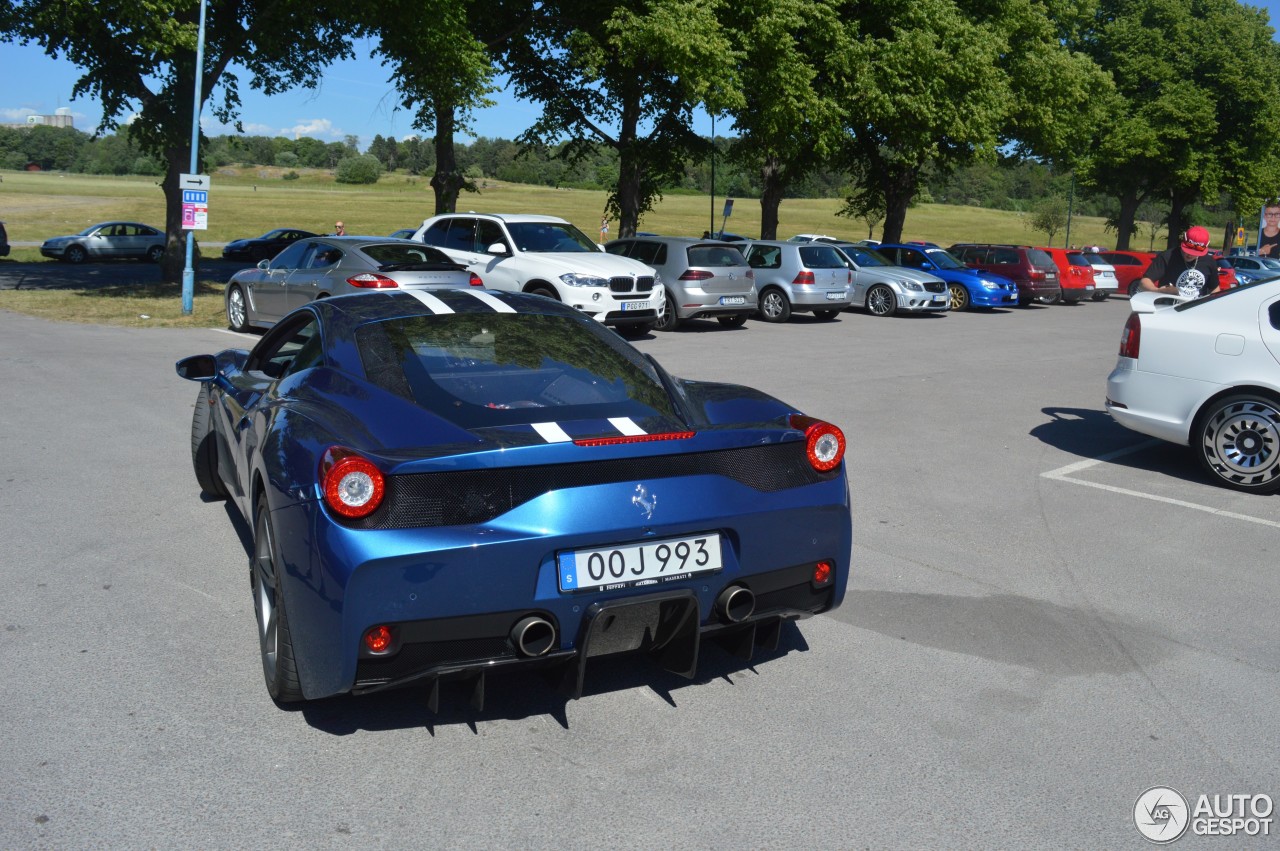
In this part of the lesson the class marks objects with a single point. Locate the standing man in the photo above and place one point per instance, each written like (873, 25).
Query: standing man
(1186, 270)
(1269, 244)
(339, 229)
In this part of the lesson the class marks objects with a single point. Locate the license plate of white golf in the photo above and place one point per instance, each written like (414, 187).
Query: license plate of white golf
(649, 563)
(835, 296)
(733, 299)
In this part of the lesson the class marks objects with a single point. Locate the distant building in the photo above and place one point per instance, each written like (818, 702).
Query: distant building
(60, 118)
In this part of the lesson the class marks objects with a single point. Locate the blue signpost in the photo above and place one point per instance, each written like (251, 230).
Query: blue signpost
(188, 271)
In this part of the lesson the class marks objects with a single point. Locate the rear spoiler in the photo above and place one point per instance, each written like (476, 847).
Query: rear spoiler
(1149, 302)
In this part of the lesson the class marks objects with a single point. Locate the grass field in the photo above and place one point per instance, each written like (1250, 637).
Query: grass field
(247, 202)
(250, 201)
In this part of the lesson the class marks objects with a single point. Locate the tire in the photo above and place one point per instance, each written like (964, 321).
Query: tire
(668, 320)
(204, 447)
(75, 254)
(733, 321)
(275, 642)
(826, 315)
(1100, 296)
(774, 306)
(237, 309)
(1237, 440)
(543, 290)
(155, 254)
(881, 301)
(959, 297)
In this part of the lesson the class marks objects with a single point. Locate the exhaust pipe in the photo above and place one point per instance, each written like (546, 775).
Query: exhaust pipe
(533, 636)
(735, 604)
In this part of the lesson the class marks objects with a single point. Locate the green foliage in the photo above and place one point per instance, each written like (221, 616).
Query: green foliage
(359, 169)
(289, 175)
(1048, 216)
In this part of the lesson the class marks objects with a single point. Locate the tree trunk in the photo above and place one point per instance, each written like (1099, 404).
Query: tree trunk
(1179, 200)
(447, 181)
(630, 175)
(175, 238)
(1125, 228)
(772, 187)
(899, 188)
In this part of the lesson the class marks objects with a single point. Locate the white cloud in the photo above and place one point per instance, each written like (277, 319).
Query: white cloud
(16, 116)
(316, 128)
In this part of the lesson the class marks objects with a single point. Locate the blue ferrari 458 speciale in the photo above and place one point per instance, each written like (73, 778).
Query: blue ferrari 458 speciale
(450, 483)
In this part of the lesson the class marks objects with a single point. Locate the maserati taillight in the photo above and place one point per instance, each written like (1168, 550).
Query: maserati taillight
(824, 443)
(353, 485)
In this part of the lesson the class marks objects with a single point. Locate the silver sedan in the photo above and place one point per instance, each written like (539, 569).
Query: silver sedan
(108, 240)
(325, 266)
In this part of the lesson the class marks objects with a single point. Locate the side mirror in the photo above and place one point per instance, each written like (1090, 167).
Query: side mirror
(197, 367)
(497, 249)
(264, 264)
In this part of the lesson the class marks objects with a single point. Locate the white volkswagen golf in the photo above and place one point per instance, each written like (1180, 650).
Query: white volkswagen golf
(1205, 373)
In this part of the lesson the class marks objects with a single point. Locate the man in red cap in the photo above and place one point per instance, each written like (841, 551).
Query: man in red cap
(1187, 270)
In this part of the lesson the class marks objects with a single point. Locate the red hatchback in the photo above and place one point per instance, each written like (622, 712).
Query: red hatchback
(1129, 266)
(1075, 274)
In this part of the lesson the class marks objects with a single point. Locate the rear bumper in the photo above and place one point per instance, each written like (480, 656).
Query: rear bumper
(667, 625)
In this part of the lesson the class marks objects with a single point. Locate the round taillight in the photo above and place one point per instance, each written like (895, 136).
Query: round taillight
(824, 443)
(378, 639)
(476, 281)
(352, 485)
(822, 573)
(372, 281)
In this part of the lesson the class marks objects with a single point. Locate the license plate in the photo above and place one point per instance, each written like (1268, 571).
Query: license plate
(938, 299)
(649, 563)
(634, 305)
(733, 299)
(834, 296)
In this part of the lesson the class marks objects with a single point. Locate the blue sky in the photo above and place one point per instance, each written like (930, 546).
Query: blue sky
(353, 98)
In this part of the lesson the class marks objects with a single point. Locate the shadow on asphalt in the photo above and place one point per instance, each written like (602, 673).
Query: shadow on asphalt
(52, 275)
(1091, 434)
(513, 696)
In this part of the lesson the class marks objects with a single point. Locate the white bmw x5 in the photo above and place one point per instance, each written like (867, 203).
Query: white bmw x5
(548, 256)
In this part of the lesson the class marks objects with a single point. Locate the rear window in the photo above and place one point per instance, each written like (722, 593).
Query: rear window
(1038, 258)
(395, 254)
(1077, 260)
(480, 370)
(715, 256)
(820, 257)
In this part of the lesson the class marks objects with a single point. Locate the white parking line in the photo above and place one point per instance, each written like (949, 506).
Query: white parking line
(235, 333)
(1063, 474)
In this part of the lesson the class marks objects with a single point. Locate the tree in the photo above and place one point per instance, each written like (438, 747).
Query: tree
(141, 56)
(940, 84)
(1199, 108)
(362, 169)
(625, 74)
(1049, 216)
(443, 72)
(793, 78)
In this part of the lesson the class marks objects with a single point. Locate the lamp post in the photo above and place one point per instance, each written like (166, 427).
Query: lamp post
(712, 229)
(188, 271)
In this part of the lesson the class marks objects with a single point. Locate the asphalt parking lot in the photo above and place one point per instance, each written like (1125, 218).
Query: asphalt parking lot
(1048, 615)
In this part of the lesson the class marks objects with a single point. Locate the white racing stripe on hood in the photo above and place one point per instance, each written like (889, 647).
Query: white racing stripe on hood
(551, 432)
(488, 298)
(433, 304)
(626, 426)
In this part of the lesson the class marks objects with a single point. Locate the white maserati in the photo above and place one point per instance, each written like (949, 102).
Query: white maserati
(1205, 373)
